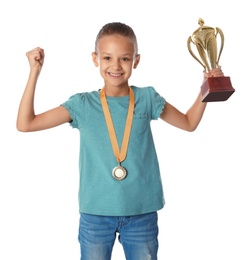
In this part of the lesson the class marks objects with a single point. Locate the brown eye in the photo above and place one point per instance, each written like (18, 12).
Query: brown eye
(106, 58)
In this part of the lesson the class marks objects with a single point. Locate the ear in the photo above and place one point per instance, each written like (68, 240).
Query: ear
(95, 59)
(137, 60)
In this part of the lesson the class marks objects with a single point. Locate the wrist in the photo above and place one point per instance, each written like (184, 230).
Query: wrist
(34, 71)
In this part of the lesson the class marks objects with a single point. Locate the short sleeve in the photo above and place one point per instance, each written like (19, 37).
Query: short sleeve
(75, 105)
(157, 103)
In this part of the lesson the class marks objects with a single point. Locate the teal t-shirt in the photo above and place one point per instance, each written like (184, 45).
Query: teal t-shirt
(99, 193)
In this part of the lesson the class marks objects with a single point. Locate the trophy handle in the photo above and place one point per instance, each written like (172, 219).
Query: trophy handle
(189, 40)
(219, 31)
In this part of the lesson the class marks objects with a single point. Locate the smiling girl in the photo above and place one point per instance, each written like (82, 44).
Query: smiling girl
(122, 191)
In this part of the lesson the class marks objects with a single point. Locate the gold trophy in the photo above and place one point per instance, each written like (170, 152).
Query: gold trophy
(205, 40)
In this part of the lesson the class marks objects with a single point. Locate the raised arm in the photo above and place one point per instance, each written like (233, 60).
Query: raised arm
(27, 121)
(191, 119)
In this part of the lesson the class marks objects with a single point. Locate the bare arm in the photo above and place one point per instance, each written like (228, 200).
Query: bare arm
(27, 121)
(191, 119)
(188, 121)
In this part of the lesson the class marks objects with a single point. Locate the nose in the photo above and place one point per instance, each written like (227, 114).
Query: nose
(116, 64)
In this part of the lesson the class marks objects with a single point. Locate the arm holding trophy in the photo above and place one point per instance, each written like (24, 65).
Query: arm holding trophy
(205, 40)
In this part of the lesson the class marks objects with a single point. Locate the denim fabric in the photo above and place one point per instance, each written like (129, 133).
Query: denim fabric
(137, 234)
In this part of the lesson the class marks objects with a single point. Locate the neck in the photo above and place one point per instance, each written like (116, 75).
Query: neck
(116, 91)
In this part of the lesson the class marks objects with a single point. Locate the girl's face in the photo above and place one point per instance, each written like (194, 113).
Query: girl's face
(116, 56)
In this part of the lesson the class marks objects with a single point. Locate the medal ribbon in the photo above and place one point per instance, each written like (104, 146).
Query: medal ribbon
(120, 154)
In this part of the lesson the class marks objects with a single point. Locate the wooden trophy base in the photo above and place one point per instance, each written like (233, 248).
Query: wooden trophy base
(216, 89)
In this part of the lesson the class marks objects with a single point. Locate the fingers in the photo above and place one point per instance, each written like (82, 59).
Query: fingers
(36, 58)
(40, 54)
(36, 54)
(217, 72)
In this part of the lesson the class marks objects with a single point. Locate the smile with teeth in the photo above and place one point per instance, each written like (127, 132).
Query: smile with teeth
(115, 74)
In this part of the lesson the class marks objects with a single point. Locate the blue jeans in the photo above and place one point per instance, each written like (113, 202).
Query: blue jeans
(137, 234)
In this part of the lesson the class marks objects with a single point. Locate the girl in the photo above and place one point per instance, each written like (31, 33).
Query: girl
(120, 185)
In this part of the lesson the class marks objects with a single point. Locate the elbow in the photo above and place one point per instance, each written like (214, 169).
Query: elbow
(21, 127)
(192, 128)
(192, 125)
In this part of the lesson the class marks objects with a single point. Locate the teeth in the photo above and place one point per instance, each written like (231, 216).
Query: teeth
(115, 75)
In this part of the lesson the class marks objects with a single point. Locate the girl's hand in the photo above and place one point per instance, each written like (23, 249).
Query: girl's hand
(36, 59)
(217, 72)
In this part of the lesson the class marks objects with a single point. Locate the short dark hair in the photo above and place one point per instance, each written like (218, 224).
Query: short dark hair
(117, 28)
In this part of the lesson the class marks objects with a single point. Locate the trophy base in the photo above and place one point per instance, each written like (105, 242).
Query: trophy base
(216, 89)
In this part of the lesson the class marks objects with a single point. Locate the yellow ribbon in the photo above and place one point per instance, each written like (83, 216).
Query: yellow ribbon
(120, 154)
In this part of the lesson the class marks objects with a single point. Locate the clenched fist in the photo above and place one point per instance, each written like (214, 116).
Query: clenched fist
(36, 59)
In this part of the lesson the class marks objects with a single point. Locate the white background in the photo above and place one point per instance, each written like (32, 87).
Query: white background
(201, 171)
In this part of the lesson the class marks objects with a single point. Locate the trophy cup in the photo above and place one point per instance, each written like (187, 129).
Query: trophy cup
(205, 40)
